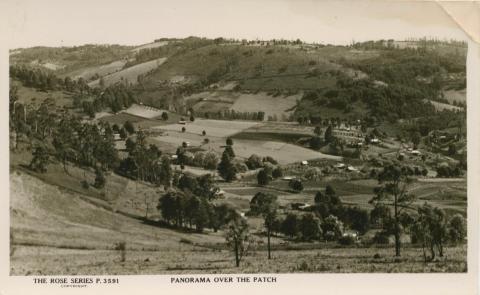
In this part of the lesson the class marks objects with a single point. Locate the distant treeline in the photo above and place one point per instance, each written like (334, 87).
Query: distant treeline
(91, 100)
(232, 115)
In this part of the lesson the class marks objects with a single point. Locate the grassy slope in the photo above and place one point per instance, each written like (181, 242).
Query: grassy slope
(55, 231)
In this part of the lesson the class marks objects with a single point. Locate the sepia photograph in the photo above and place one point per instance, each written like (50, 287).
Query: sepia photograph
(323, 137)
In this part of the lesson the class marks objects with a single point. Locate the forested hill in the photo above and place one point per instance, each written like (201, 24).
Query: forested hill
(379, 80)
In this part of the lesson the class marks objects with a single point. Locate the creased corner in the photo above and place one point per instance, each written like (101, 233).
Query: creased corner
(466, 14)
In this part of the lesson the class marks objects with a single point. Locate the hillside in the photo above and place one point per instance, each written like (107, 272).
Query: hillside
(387, 75)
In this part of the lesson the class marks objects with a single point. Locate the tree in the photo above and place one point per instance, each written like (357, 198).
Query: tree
(416, 137)
(309, 227)
(392, 191)
(164, 116)
(332, 228)
(192, 118)
(167, 204)
(129, 127)
(328, 134)
(263, 178)
(290, 225)
(316, 142)
(266, 205)
(452, 149)
(99, 178)
(63, 142)
(254, 162)
(238, 237)
(206, 187)
(201, 215)
(204, 133)
(184, 129)
(296, 185)
(457, 229)
(165, 172)
(229, 150)
(123, 133)
(277, 172)
(40, 159)
(226, 169)
(357, 219)
(318, 130)
(130, 146)
(430, 229)
(210, 161)
(229, 141)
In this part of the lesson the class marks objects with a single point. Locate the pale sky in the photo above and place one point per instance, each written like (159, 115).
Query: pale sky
(67, 23)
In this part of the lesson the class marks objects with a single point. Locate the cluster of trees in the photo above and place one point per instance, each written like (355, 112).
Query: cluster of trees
(190, 204)
(227, 168)
(233, 115)
(268, 173)
(46, 80)
(207, 160)
(116, 97)
(429, 226)
(449, 171)
(145, 162)
(67, 139)
(433, 230)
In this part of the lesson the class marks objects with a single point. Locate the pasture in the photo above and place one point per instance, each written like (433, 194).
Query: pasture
(279, 106)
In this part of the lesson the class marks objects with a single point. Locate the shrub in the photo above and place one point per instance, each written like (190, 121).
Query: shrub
(277, 172)
(381, 237)
(85, 184)
(122, 248)
(254, 162)
(296, 185)
(346, 240)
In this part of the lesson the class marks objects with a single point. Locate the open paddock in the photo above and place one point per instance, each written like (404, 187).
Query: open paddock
(284, 153)
(215, 128)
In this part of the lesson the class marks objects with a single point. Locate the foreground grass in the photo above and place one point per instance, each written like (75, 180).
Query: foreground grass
(201, 260)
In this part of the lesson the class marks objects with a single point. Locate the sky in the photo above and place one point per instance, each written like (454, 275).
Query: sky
(67, 23)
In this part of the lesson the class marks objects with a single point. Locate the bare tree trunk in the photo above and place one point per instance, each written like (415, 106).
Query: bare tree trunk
(268, 242)
(237, 258)
(397, 230)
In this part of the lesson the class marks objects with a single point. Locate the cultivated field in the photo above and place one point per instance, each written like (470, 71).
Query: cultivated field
(102, 70)
(284, 153)
(217, 131)
(215, 128)
(143, 111)
(129, 75)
